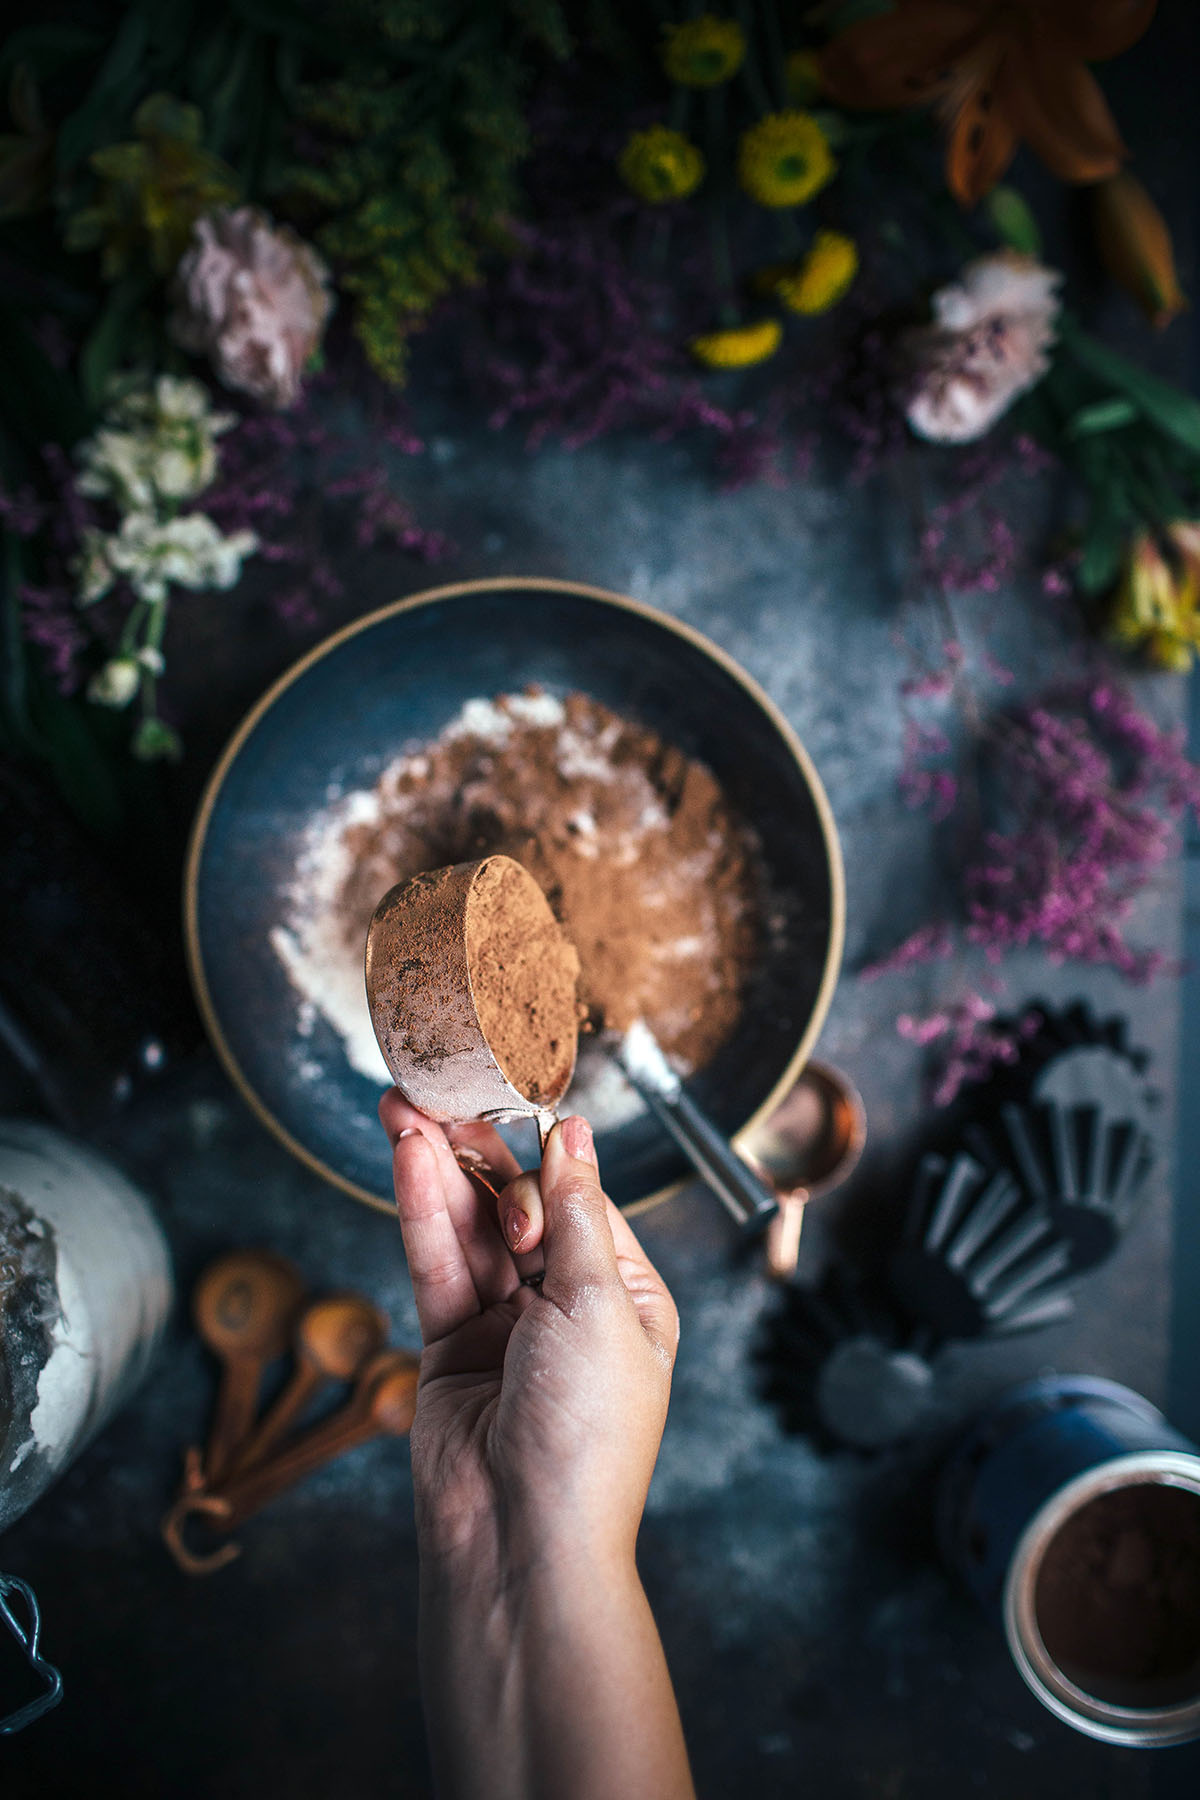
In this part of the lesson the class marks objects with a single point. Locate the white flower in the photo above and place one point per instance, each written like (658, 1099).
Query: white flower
(117, 467)
(152, 659)
(254, 298)
(92, 569)
(990, 341)
(179, 473)
(179, 398)
(116, 683)
(189, 552)
(158, 444)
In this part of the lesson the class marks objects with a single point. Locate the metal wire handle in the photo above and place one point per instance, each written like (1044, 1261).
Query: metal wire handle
(27, 1635)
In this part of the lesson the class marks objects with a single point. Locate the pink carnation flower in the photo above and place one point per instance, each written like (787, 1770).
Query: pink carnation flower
(254, 298)
(989, 341)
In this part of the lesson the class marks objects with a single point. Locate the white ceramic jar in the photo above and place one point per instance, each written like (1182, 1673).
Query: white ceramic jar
(85, 1288)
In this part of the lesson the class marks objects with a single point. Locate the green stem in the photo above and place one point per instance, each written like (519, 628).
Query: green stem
(132, 627)
(156, 625)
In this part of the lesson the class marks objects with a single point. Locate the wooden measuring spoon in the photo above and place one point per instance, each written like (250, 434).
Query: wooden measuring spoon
(383, 1404)
(471, 988)
(244, 1305)
(335, 1337)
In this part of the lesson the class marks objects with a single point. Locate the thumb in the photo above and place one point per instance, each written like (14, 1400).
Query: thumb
(577, 1238)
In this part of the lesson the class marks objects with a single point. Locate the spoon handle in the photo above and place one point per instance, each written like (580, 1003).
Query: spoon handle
(276, 1423)
(354, 1424)
(259, 1485)
(783, 1235)
(743, 1193)
(234, 1416)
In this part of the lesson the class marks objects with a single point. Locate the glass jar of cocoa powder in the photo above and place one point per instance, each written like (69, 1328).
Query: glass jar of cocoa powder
(1072, 1510)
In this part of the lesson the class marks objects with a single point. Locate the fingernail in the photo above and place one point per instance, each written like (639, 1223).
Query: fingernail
(409, 1131)
(577, 1139)
(516, 1224)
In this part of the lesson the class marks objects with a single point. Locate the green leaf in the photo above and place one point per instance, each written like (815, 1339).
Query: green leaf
(1102, 415)
(101, 354)
(1101, 562)
(162, 115)
(1173, 412)
(80, 760)
(1013, 220)
(117, 82)
(121, 162)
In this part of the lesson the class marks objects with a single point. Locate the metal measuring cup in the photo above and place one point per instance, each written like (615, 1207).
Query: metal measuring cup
(806, 1148)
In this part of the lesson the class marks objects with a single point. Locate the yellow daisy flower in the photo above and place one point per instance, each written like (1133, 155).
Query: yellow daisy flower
(703, 52)
(823, 277)
(660, 164)
(785, 159)
(740, 347)
(802, 74)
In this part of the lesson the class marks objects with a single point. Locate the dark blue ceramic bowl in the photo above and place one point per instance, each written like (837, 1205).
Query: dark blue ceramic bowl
(399, 675)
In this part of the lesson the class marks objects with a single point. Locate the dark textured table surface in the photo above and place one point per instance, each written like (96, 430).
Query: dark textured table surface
(816, 1645)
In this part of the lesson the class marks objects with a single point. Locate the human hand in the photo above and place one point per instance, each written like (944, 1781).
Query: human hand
(539, 1412)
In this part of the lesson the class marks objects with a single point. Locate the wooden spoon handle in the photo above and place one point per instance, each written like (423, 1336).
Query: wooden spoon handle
(233, 1420)
(276, 1423)
(259, 1485)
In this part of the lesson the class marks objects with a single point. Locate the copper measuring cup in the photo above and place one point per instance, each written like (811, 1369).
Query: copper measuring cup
(423, 1004)
(807, 1147)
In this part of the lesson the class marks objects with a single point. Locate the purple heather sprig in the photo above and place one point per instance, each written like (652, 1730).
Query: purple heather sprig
(1087, 798)
(974, 1040)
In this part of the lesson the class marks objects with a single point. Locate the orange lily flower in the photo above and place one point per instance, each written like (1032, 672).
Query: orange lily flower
(999, 73)
(1135, 245)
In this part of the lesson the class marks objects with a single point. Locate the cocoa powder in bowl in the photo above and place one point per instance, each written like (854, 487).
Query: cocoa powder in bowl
(1117, 1601)
(522, 972)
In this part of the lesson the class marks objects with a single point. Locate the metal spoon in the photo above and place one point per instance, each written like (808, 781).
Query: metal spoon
(423, 1001)
(335, 1338)
(244, 1305)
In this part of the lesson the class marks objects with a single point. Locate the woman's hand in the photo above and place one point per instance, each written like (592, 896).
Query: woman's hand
(539, 1413)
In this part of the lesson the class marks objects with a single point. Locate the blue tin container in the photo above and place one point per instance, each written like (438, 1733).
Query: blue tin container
(1028, 1465)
